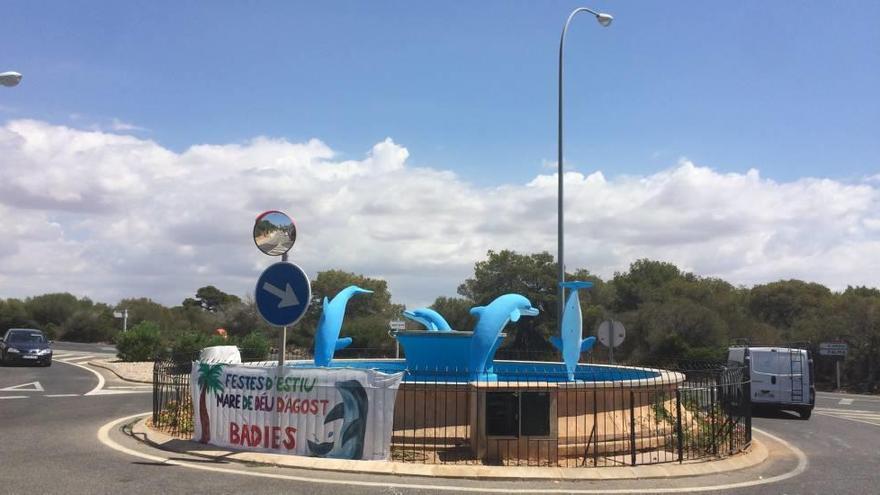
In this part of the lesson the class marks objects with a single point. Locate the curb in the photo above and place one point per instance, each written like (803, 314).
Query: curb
(757, 454)
(103, 365)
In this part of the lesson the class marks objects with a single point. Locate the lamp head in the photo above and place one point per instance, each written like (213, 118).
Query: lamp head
(10, 79)
(604, 19)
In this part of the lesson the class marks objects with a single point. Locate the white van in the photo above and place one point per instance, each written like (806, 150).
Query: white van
(782, 377)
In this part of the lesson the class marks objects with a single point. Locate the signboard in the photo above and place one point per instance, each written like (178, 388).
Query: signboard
(833, 349)
(611, 333)
(334, 413)
(283, 294)
(397, 324)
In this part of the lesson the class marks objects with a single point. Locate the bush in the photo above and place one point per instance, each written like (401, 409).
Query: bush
(254, 347)
(142, 343)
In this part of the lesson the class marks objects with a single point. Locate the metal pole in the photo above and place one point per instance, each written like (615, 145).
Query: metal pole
(283, 346)
(837, 372)
(125, 322)
(560, 256)
(611, 341)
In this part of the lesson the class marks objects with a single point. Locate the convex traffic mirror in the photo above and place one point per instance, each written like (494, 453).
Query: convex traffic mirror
(274, 233)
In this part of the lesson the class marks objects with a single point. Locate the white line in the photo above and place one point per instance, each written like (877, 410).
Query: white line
(846, 402)
(84, 357)
(61, 395)
(849, 419)
(104, 437)
(15, 397)
(100, 377)
(833, 395)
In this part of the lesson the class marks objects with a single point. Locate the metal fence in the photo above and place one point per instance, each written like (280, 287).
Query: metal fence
(673, 413)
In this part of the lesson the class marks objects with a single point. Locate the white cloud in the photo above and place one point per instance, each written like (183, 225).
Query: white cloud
(111, 216)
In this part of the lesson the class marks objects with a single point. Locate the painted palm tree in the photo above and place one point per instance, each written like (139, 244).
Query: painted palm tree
(209, 381)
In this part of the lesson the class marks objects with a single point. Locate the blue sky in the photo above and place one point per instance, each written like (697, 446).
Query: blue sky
(136, 121)
(790, 89)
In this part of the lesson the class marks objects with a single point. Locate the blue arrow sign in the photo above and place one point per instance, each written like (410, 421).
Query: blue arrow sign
(283, 294)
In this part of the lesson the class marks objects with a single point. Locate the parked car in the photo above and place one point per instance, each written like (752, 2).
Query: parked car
(25, 345)
(782, 377)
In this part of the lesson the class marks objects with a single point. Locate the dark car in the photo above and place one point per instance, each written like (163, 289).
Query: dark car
(25, 345)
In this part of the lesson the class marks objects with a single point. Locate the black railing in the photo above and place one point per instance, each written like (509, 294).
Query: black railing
(536, 417)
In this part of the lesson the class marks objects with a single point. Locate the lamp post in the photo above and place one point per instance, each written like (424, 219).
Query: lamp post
(604, 20)
(10, 79)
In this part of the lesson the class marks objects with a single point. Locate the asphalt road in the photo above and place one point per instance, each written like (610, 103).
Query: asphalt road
(49, 444)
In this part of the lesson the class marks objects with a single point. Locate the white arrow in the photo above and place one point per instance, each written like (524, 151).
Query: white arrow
(287, 296)
(25, 387)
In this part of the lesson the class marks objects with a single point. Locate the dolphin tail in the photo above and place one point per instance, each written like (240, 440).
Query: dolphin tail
(575, 284)
(556, 341)
(587, 344)
(319, 449)
(343, 343)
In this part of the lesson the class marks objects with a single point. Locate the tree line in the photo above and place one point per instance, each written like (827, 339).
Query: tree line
(669, 315)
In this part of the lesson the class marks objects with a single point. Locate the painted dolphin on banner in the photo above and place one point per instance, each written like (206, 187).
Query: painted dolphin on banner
(570, 343)
(327, 340)
(430, 319)
(492, 320)
(348, 442)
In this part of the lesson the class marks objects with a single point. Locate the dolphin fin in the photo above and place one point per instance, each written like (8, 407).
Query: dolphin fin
(477, 310)
(514, 315)
(336, 413)
(556, 341)
(343, 343)
(587, 344)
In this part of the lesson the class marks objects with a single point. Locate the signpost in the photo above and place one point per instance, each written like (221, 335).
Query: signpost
(283, 291)
(611, 334)
(397, 325)
(124, 315)
(837, 350)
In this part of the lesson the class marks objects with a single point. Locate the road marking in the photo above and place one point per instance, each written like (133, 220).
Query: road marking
(79, 357)
(15, 397)
(845, 402)
(34, 387)
(858, 397)
(100, 385)
(104, 437)
(61, 395)
(859, 416)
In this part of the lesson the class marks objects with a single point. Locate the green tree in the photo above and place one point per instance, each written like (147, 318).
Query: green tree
(456, 312)
(211, 299)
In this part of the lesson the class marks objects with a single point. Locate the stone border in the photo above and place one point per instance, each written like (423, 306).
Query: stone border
(109, 366)
(757, 454)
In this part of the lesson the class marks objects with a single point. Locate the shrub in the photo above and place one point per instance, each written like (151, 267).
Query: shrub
(142, 343)
(254, 347)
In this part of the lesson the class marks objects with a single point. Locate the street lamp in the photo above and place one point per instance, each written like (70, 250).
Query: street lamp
(10, 79)
(604, 20)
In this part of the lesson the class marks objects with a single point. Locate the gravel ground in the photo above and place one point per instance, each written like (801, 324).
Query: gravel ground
(134, 372)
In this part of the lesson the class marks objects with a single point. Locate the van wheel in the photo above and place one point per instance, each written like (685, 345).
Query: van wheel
(805, 412)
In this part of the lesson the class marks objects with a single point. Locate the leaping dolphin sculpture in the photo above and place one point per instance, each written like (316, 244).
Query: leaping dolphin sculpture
(432, 320)
(492, 320)
(570, 343)
(348, 442)
(327, 340)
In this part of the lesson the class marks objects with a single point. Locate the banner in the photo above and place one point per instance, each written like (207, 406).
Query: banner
(338, 413)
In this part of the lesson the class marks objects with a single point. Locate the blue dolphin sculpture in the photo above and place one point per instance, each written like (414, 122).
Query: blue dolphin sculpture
(492, 320)
(431, 319)
(327, 340)
(570, 343)
(348, 442)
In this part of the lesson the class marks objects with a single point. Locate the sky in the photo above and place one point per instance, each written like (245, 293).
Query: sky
(408, 138)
